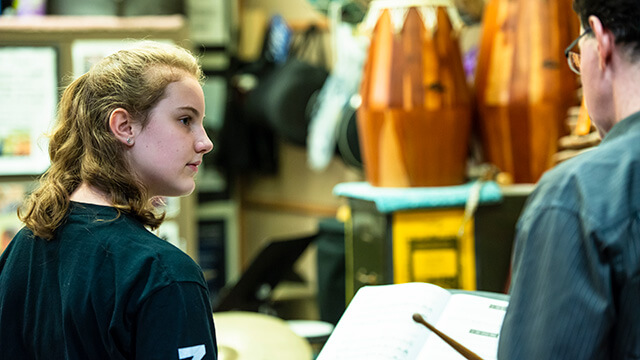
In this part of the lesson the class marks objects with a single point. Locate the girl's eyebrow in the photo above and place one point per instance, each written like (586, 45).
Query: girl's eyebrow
(190, 108)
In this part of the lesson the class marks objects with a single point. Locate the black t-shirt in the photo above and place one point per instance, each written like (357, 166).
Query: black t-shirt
(103, 288)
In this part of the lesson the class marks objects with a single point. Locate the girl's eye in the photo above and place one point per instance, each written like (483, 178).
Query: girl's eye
(185, 120)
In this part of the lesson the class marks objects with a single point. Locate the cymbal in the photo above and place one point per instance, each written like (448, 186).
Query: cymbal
(252, 336)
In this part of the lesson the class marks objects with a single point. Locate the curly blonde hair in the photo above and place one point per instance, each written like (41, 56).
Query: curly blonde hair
(82, 147)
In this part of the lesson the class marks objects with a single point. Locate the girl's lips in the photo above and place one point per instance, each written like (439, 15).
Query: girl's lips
(194, 165)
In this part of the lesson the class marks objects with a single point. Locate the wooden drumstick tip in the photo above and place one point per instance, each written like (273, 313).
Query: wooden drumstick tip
(418, 318)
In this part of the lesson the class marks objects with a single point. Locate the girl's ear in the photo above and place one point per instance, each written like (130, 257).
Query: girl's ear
(121, 125)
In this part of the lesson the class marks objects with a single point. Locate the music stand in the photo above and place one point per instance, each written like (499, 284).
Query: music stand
(273, 264)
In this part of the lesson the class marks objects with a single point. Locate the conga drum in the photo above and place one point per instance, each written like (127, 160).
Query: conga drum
(583, 125)
(523, 84)
(415, 117)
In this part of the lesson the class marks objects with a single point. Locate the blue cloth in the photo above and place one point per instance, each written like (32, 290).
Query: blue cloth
(393, 199)
(575, 290)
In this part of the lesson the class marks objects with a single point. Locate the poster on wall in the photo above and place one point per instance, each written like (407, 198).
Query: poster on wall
(11, 197)
(28, 98)
(209, 22)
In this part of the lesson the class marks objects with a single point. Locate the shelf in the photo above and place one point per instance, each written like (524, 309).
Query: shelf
(82, 24)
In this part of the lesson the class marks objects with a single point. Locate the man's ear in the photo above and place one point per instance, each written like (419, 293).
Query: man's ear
(605, 40)
(121, 125)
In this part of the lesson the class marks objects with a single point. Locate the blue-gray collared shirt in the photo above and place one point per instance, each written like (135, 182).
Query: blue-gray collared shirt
(575, 290)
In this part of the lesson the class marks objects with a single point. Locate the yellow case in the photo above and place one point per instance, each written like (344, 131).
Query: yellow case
(426, 248)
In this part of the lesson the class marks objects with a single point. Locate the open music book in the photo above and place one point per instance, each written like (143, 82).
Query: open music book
(378, 324)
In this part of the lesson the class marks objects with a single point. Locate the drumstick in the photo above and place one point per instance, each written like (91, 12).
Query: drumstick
(468, 354)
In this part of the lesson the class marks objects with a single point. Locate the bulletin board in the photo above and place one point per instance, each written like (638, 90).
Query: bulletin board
(28, 97)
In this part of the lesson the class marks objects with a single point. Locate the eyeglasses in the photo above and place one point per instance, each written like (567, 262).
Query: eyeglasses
(573, 58)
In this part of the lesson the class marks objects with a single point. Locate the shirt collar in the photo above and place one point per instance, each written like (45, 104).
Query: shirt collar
(628, 124)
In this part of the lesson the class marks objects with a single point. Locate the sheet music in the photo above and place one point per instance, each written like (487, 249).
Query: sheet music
(474, 322)
(378, 323)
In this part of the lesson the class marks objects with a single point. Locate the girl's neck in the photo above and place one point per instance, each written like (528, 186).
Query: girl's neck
(89, 195)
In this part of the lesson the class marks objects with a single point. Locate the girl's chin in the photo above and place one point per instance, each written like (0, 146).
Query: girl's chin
(178, 192)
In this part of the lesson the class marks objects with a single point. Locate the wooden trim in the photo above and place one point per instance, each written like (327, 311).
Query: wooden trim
(289, 207)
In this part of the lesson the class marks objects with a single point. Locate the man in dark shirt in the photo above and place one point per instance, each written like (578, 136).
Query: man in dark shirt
(575, 291)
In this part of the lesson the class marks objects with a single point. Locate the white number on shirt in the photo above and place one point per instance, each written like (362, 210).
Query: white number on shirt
(193, 352)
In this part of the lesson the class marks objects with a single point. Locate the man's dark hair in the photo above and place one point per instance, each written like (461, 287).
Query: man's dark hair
(621, 17)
